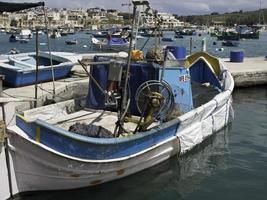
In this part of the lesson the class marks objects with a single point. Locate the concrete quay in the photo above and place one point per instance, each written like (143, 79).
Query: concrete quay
(251, 72)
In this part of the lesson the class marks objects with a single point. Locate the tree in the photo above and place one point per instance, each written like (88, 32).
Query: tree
(14, 23)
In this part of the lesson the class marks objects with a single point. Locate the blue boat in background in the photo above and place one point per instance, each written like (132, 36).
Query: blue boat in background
(12, 38)
(19, 70)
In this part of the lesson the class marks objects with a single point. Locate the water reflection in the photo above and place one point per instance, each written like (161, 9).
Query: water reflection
(173, 179)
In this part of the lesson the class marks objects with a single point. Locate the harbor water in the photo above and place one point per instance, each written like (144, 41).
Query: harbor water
(229, 165)
(251, 48)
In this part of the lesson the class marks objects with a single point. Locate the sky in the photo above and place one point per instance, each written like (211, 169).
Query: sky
(180, 7)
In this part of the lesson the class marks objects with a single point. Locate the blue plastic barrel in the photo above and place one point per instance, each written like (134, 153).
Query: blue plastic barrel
(237, 56)
(179, 52)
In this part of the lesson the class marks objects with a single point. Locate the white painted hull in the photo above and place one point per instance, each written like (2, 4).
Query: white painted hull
(40, 168)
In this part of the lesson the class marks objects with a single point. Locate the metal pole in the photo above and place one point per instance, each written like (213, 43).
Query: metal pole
(49, 49)
(190, 45)
(37, 66)
(7, 153)
(204, 44)
(124, 94)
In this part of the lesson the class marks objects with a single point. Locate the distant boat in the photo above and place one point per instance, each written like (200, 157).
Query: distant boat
(26, 34)
(12, 38)
(100, 34)
(64, 33)
(39, 32)
(71, 31)
(19, 69)
(230, 43)
(246, 32)
(179, 36)
(71, 42)
(55, 34)
(186, 32)
(167, 39)
(2, 32)
(23, 41)
(229, 35)
(113, 44)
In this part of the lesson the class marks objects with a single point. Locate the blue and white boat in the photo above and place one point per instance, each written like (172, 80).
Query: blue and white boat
(19, 69)
(73, 144)
(111, 44)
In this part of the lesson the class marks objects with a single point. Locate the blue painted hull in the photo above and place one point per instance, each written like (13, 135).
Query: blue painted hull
(21, 78)
(95, 148)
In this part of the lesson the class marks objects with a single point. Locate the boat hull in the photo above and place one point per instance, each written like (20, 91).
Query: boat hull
(111, 47)
(59, 172)
(15, 78)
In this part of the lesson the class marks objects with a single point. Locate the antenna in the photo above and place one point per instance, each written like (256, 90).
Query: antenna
(261, 15)
(127, 4)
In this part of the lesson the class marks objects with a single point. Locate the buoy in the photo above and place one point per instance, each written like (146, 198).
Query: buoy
(219, 49)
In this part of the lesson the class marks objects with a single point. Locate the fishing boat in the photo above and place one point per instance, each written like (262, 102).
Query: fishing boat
(228, 35)
(19, 69)
(167, 39)
(55, 34)
(136, 115)
(26, 34)
(71, 42)
(230, 43)
(186, 32)
(246, 32)
(12, 38)
(72, 144)
(111, 44)
(179, 36)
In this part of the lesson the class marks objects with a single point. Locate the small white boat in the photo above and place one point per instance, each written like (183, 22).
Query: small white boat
(55, 34)
(26, 34)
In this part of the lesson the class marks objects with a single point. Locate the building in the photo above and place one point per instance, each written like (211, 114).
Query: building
(167, 21)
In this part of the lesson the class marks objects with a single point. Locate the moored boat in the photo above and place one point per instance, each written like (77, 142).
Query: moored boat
(111, 44)
(12, 38)
(167, 39)
(25, 34)
(71, 42)
(49, 152)
(19, 69)
(230, 43)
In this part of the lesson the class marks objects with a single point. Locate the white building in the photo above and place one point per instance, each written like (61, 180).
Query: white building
(168, 21)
